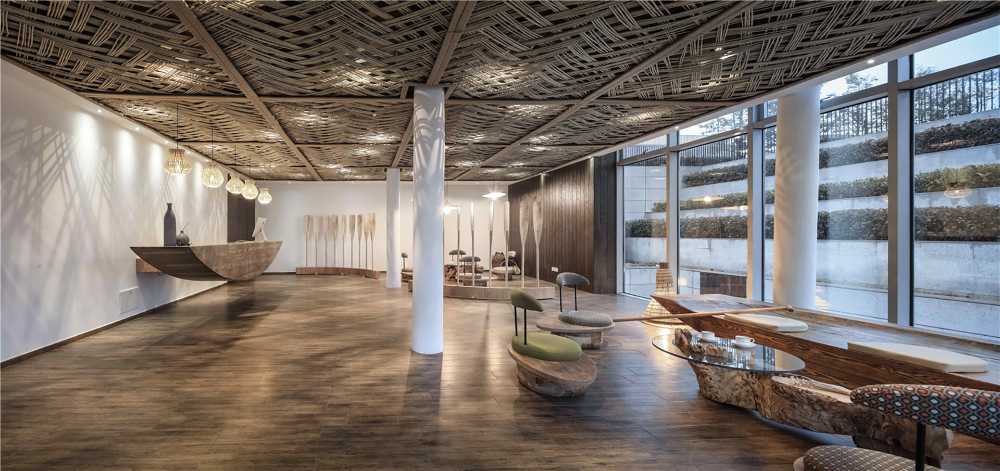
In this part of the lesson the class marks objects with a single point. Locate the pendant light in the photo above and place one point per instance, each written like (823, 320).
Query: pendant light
(212, 176)
(176, 163)
(264, 197)
(234, 185)
(250, 190)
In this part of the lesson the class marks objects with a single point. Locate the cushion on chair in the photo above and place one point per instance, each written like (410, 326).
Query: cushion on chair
(568, 278)
(586, 318)
(547, 347)
(845, 458)
(934, 358)
(970, 411)
(775, 323)
(524, 300)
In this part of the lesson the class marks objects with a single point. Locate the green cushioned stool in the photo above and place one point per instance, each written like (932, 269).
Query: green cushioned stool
(547, 347)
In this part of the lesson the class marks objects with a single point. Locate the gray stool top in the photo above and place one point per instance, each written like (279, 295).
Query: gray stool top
(586, 318)
(568, 278)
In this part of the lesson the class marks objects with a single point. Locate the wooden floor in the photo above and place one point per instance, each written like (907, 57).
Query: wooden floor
(315, 373)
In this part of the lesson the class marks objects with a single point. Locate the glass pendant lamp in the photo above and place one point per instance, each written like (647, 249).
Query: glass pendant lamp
(235, 185)
(264, 197)
(212, 176)
(176, 163)
(250, 190)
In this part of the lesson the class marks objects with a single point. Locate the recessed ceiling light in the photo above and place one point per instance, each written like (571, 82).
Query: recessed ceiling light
(718, 49)
(871, 61)
(100, 110)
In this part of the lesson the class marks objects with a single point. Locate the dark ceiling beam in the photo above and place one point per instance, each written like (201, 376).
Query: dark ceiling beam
(348, 100)
(459, 18)
(672, 48)
(197, 29)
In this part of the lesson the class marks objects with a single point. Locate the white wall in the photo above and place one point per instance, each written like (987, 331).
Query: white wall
(294, 200)
(78, 188)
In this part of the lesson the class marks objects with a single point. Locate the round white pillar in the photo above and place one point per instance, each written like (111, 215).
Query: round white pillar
(796, 193)
(428, 227)
(393, 267)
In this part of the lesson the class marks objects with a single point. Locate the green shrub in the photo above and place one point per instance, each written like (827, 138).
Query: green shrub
(874, 186)
(645, 228)
(659, 207)
(731, 199)
(970, 176)
(975, 224)
(950, 136)
(978, 132)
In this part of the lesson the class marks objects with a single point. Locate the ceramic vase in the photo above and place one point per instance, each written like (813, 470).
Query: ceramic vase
(169, 227)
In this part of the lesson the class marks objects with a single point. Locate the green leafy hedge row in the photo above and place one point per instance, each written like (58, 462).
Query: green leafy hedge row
(951, 136)
(646, 228)
(969, 176)
(976, 223)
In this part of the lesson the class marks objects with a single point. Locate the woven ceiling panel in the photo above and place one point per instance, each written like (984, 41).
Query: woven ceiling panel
(329, 48)
(110, 46)
(358, 173)
(341, 123)
(275, 173)
(528, 50)
(563, 49)
(373, 155)
(492, 124)
(606, 123)
(501, 173)
(230, 121)
(249, 155)
(777, 43)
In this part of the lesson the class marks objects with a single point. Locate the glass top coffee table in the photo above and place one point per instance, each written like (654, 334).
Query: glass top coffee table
(722, 353)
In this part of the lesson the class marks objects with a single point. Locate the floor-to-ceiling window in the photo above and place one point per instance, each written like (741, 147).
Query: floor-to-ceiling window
(644, 208)
(956, 191)
(712, 204)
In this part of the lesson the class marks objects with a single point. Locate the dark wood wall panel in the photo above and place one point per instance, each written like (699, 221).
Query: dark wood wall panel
(571, 220)
(240, 217)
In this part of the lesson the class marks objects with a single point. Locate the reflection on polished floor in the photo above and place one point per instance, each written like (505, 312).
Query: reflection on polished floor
(316, 373)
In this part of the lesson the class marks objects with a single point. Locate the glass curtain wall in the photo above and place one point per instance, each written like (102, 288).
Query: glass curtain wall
(956, 204)
(712, 206)
(852, 233)
(645, 219)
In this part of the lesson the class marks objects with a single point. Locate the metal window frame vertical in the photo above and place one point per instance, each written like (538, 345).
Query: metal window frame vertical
(755, 206)
(620, 223)
(673, 215)
(900, 212)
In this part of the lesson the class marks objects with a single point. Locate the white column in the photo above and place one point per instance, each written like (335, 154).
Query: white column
(796, 198)
(428, 227)
(393, 278)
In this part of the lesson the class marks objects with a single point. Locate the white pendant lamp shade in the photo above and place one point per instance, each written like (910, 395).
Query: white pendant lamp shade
(212, 176)
(176, 163)
(235, 185)
(250, 190)
(265, 196)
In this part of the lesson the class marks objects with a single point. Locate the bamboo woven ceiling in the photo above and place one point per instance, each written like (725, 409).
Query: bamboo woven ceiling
(321, 90)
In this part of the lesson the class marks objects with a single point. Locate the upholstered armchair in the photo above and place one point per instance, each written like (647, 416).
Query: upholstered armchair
(972, 412)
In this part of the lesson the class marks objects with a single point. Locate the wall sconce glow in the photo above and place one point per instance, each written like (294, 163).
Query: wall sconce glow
(212, 176)
(176, 163)
(264, 197)
(235, 185)
(448, 209)
(250, 190)
(494, 195)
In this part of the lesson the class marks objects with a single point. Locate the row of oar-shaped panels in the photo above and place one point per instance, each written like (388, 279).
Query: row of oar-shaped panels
(321, 230)
(340, 226)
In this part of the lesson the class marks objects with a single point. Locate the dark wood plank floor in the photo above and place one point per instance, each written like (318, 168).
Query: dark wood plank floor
(315, 373)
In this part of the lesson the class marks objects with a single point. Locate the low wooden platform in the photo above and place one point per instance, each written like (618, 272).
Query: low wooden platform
(338, 271)
(824, 346)
(588, 337)
(554, 378)
(237, 261)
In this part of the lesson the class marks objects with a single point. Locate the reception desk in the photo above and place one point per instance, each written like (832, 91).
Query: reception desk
(235, 261)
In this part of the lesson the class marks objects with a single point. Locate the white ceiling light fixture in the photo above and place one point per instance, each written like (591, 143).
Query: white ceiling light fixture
(250, 190)
(234, 185)
(212, 176)
(265, 196)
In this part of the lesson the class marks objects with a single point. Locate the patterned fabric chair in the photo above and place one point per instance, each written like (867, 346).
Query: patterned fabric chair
(970, 411)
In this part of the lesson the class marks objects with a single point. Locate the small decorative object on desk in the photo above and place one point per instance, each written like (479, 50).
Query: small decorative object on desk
(169, 227)
(182, 239)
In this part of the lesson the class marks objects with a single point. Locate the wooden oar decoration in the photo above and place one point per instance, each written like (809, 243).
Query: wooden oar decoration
(308, 232)
(692, 315)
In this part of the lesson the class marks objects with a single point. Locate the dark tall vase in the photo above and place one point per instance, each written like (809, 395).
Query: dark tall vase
(169, 227)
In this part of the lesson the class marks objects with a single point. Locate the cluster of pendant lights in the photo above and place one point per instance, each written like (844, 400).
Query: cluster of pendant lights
(212, 176)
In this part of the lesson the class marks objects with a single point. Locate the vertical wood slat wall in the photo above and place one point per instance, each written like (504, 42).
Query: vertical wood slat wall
(579, 222)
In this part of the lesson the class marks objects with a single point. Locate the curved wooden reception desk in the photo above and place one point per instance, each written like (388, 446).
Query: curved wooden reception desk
(236, 261)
